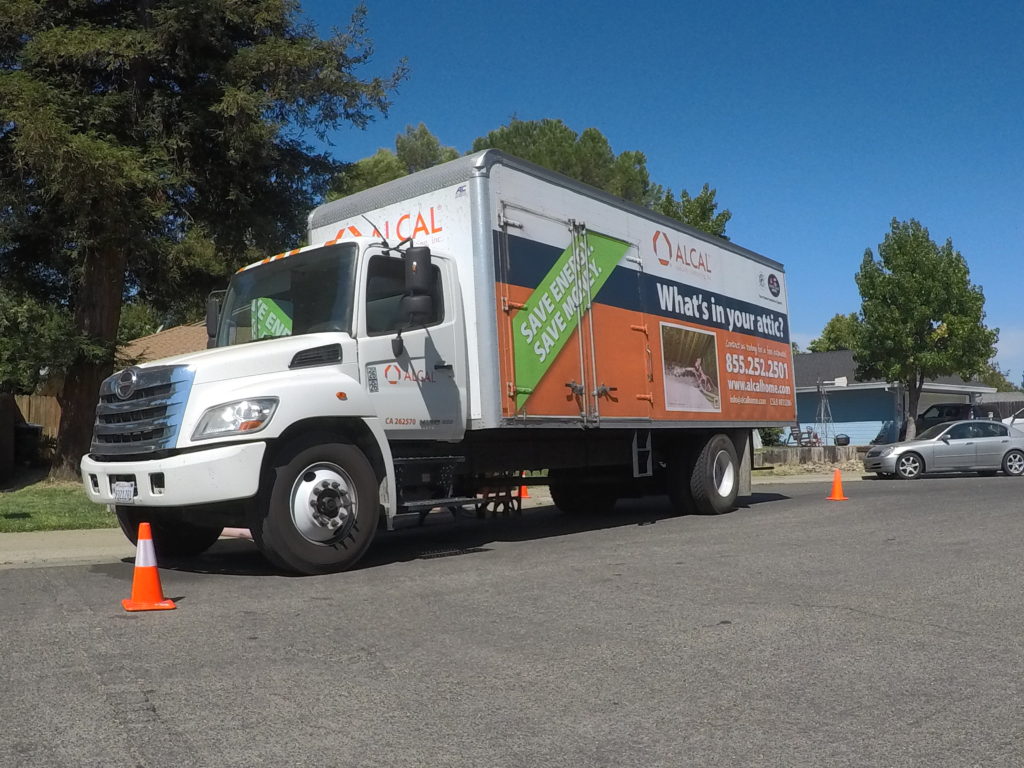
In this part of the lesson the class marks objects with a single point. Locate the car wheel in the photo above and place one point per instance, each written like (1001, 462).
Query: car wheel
(909, 466)
(1013, 463)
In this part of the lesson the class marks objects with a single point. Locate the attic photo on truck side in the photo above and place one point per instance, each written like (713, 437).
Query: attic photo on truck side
(445, 332)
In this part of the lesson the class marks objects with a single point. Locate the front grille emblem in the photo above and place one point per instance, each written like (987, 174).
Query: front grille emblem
(125, 386)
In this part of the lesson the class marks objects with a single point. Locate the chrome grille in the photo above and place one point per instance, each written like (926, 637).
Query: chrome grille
(148, 418)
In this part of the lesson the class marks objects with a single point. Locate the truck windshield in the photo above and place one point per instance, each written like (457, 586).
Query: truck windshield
(309, 292)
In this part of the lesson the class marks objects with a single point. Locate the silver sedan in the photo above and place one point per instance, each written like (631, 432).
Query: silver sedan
(977, 445)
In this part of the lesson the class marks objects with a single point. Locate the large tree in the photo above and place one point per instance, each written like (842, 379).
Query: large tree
(150, 147)
(922, 316)
(839, 333)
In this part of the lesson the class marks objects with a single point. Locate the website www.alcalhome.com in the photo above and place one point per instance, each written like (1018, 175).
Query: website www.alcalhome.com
(760, 386)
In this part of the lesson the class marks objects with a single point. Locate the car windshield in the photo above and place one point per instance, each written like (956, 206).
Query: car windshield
(932, 432)
(309, 292)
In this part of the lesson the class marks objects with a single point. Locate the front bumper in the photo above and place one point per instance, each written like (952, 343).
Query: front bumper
(883, 464)
(202, 477)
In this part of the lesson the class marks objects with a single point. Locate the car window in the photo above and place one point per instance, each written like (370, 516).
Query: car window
(931, 413)
(960, 431)
(988, 429)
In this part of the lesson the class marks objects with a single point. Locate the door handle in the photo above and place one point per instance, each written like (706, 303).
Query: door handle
(443, 366)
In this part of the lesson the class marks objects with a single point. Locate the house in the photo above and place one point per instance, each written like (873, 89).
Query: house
(866, 411)
(174, 341)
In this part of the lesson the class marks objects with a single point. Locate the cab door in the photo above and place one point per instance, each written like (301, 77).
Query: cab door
(420, 392)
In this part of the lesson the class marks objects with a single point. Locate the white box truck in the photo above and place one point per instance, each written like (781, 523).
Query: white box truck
(445, 332)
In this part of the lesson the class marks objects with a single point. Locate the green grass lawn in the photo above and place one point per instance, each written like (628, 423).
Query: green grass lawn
(51, 506)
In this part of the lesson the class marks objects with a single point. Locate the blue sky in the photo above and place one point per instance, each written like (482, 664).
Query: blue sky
(816, 122)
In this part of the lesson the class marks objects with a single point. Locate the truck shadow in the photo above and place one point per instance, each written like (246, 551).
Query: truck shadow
(444, 534)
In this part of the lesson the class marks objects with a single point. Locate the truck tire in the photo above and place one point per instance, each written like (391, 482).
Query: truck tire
(714, 480)
(572, 494)
(318, 509)
(171, 538)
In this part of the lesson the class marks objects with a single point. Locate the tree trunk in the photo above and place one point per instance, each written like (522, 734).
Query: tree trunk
(97, 313)
(914, 387)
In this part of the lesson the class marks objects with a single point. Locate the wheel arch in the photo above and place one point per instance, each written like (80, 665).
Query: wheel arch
(365, 434)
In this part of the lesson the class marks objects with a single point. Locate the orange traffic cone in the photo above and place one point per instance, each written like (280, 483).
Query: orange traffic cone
(147, 594)
(524, 492)
(837, 488)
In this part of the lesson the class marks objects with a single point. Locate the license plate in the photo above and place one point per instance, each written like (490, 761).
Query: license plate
(124, 493)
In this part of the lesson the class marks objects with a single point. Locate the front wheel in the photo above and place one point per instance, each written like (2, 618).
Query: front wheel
(1013, 463)
(714, 480)
(171, 538)
(909, 466)
(319, 509)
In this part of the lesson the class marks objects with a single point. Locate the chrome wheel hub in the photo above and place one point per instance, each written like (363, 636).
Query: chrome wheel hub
(323, 503)
(724, 474)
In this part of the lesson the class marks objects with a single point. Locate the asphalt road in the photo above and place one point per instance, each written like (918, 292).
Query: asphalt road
(882, 631)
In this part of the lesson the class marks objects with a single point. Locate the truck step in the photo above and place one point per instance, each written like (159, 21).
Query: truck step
(430, 460)
(456, 501)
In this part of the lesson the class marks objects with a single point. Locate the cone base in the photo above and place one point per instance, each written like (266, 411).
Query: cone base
(162, 605)
(833, 498)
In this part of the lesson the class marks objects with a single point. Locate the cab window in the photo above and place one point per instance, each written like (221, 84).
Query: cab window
(385, 285)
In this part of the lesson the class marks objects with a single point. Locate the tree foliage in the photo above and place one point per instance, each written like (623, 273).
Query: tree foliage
(415, 150)
(587, 157)
(994, 376)
(839, 333)
(36, 342)
(922, 316)
(148, 149)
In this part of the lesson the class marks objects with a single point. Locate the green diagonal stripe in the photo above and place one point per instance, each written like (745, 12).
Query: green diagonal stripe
(542, 328)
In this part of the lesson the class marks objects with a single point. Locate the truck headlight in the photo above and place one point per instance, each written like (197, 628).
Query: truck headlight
(237, 418)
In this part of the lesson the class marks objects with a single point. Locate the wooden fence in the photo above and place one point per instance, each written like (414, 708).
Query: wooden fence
(40, 409)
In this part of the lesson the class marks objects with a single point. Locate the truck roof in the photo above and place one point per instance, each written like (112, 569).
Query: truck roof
(479, 164)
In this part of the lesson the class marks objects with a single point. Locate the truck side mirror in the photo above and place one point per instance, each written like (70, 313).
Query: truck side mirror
(417, 304)
(419, 277)
(213, 305)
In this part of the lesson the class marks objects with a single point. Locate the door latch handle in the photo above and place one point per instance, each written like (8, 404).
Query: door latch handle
(605, 391)
(576, 389)
(442, 366)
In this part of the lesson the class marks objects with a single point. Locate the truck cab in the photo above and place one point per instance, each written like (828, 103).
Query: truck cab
(348, 341)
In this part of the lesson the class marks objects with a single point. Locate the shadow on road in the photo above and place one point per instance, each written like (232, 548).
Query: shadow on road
(444, 534)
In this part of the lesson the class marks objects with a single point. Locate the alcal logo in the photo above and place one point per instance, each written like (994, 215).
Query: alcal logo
(680, 254)
(393, 374)
(415, 225)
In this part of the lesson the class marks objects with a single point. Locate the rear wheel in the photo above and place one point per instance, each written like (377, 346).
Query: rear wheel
(319, 509)
(714, 480)
(171, 538)
(1013, 463)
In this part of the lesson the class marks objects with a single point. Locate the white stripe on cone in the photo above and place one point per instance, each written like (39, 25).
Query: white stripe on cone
(145, 555)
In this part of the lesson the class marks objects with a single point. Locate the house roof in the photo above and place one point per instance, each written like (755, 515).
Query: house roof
(174, 341)
(811, 367)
